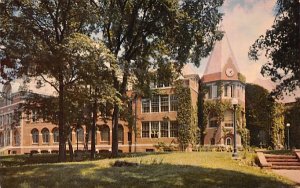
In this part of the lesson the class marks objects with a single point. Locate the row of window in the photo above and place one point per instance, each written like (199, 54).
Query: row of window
(230, 90)
(5, 138)
(104, 132)
(159, 103)
(159, 129)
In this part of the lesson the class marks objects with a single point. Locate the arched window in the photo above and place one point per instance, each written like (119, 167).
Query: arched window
(17, 138)
(80, 134)
(45, 135)
(104, 131)
(35, 136)
(55, 135)
(120, 134)
(228, 141)
(212, 141)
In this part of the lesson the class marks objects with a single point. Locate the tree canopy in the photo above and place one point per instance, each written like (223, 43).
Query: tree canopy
(281, 45)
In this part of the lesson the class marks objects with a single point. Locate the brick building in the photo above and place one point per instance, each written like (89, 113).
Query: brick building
(156, 117)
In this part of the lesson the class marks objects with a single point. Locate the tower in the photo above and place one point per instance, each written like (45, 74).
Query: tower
(223, 82)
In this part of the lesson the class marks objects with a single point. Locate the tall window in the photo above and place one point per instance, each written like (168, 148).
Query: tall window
(212, 141)
(232, 88)
(145, 105)
(164, 103)
(17, 138)
(45, 135)
(214, 91)
(0, 120)
(173, 102)
(173, 129)
(228, 117)
(120, 134)
(154, 129)
(1, 140)
(155, 103)
(8, 138)
(164, 129)
(145, 129)
(80, 135)
(209, 92)
(104, 131)
(34, 116)
(35, 136)
(55, 135)
(226, 90)
(213, 121)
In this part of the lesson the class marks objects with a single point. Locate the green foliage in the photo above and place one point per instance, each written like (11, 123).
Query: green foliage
(186, 116)
(281, 47)
(292, 116)
(258, 114)
(218, 108)
(277, 130)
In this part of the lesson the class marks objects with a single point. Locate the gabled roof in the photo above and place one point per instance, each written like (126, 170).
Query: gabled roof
(221, 58)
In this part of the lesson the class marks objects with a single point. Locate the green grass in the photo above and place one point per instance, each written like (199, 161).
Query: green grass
(197, 169)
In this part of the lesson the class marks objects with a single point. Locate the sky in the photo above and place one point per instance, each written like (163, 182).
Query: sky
(244, 21)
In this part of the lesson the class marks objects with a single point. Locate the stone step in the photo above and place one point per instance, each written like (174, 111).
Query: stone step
(285, 163)
(286, 167)
(281, 160)
(280, 156)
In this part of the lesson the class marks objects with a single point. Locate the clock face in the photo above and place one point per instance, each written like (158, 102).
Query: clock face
(229, 72)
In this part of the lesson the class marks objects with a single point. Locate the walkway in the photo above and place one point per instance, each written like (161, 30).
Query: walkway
(293, 175)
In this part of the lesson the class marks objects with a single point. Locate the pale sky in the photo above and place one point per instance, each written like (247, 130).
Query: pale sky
(244, 21)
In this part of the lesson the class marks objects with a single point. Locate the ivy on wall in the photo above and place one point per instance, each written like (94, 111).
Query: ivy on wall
(277, 132)
(186, 117)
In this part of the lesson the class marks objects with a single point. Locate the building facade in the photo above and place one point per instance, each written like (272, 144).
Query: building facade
(156, 117)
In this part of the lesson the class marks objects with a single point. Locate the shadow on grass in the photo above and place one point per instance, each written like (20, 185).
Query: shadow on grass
(148, 175)
(21, 160)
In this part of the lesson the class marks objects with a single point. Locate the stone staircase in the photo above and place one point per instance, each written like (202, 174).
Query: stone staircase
(288, 162)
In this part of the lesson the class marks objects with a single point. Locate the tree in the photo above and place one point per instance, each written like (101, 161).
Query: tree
(145, 35)
(282, 48)
(36, 37)
(258, 114)
(264, 117)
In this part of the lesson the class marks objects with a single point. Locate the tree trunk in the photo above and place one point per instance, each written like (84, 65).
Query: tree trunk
(70, 149)
(62, 140)
(93, 130)
(115, 123)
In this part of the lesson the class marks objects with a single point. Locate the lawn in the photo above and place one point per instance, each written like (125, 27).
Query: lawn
(197, 169)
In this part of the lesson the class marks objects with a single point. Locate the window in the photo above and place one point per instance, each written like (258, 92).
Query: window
(129, 136)
(45, 135)
(164, 103)
(104, 132)
(154, 129)
(155, 104)
(173, 102)
(228, 117)
(213, 122)
(228, 141)
(8, 138)
(209, 92)
(35, 136)
(1, 140)
(164, 129)
(226, 90)
(214, 91)
(34, 116)
(17, 138)
(120, 134)
(80, 134)
(0, 120)
(145, 130)
(55, 135)
(232, 91)
(173, 129)
(145, 105)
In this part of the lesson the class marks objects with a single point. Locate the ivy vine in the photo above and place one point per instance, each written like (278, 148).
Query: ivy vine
(186, 117)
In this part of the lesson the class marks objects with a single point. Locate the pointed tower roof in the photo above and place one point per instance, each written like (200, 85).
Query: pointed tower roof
(222, 64)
